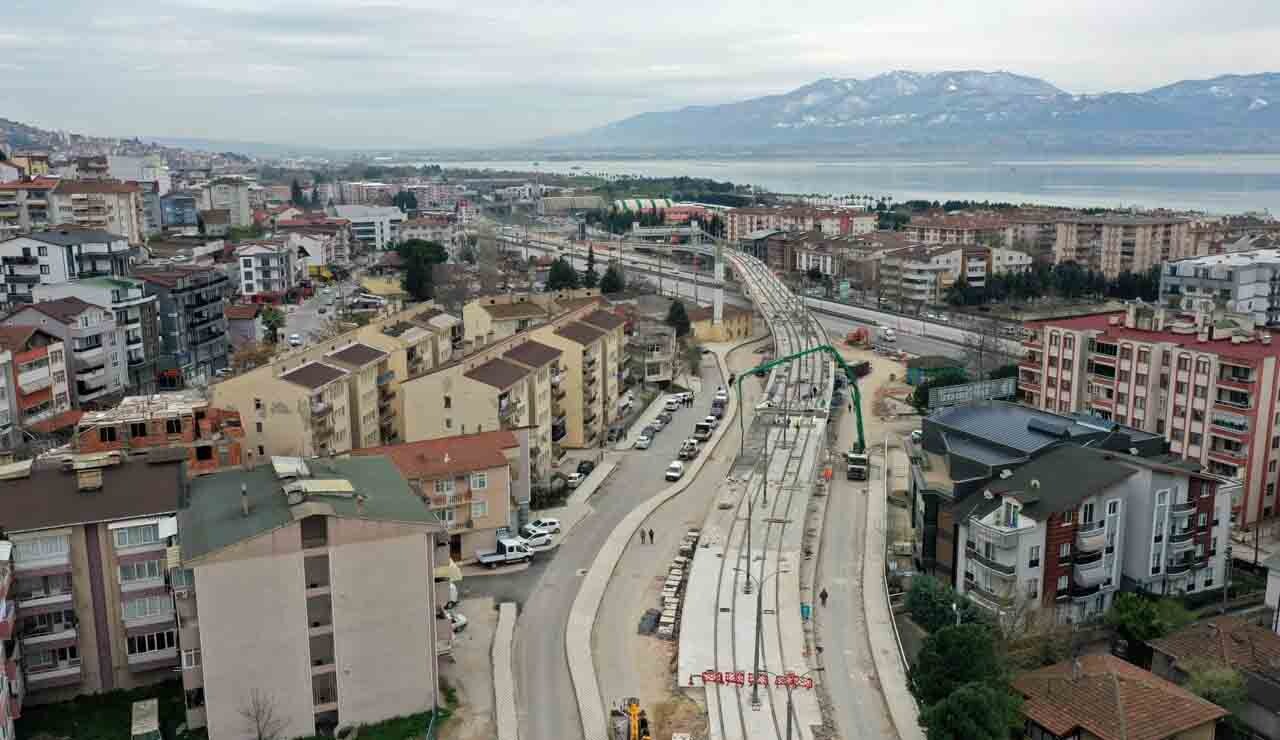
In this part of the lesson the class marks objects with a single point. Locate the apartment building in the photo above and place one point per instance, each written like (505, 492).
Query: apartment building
(613, 366)
(12, 682)
(373, 394)
(1032, 232)
(654, 347)
(955, 228)
(104, 205)
(375, 227)
(1245, 282)
(59, 256)
(1063, 533)
(193, 339)
(962, 448)
(327, 241)
(918, 276)
(227, 194)
(829, 221)
(180, 209)
(134, 308)
(337, 556)
(355, 192)
(37, 398)
(800, 251)
(490, 318)
(93, 340)
(584, 410)
(1206, 383)
(25, 206)
(476, 484)
(430, 229)
(269, 269)
(89, 537)
(184, 419)
(1113, 244)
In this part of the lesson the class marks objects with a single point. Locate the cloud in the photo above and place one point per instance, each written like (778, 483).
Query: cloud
(369, 73)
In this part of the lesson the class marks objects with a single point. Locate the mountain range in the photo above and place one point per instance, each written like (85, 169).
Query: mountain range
(901, 111)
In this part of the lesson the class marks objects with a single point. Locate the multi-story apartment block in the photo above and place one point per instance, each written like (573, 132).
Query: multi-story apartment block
(37, 398)
(580, 419)
(476, 484)
(366, 192)
(54, 257)
(654, 347)
(430, 229)
(1113, 244)
(1067, 530)
(916, 276)
(228, 194)
(184, 419)
(375, 227)
(1207, 384)
(12, 682)
(613, 368)
(269, 269)
(337, 556)
(135, 311)
(25, 207)
(89, 538)
(193, 326)
(327, 241)
(490, 318)
(831, 222)
(373, 392)
(1032, 232)
(955, 228)
(94, 345)
(1239, 282)
(104, 205)
(180, 209)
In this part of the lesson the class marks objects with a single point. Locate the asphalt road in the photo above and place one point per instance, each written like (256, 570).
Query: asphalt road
(547, 706)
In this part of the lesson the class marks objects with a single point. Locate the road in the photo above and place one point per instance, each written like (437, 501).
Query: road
(548, 708)
(305, 318)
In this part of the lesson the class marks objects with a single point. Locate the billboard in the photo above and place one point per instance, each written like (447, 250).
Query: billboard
(966, 392)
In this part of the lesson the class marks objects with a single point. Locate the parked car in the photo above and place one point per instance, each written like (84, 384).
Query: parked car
(713, 421)
(643, 442)
(672, 404)
(575, 480)
(665, 417)
(586, 466)
(537, 539)
(675, 470)
(546, 524)
(651, 430)
(295, 340)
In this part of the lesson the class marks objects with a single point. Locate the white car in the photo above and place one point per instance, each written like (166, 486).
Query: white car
(546, 524)
(459, 621)
(295, 340)
(575, 480)
(643, 442)
(675, 470)
(713, 421)
(673, 403)
(537, 540)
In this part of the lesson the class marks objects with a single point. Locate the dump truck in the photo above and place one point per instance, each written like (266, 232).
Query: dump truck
(857, 465)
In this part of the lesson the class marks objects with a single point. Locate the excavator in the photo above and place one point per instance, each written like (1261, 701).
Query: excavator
(629, 722)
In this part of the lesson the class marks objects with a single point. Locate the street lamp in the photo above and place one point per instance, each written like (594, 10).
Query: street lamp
(789, 688)
(755, 685)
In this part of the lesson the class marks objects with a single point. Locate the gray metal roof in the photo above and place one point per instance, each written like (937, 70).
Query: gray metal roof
(1022, 428)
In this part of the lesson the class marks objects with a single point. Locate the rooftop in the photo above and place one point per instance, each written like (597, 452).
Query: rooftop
(96, 187)
(604, 320)
(357, 213)
(212, 517)
(15, 337)
(1101, 322)
(509, 311)
(1059, 480)
(45, 494)
(171, 275)
(448, 456)
(1112, 700)
(39, 183)
(532, 354)
(498, 373)
(72, 237)
(357, 354)
(62, 310)
(1025, 430)
(580, 333)
(1233, 641)
(242, 311)
(314, 375)
(158, 405)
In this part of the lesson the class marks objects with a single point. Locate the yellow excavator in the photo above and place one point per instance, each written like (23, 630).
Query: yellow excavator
(630, 722)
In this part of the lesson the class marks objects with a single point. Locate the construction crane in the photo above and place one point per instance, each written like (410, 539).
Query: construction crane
(630, 722)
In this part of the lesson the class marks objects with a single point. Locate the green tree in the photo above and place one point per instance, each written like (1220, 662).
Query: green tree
(562, 276)
(953, 657)
(971, 712)
(405, 201)
(930, 600)
(959, 294)
(590, 278)
(678, 319)
(1220, 684)
(273, 320)
(613, 280)
(920, 397)
(814, 274)
(433, 252)
(1004, 371)
(295, 194)
(1139, 618)
(418, 280)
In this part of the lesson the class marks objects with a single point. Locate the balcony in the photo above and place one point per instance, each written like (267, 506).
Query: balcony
(1234, 400)
(1227, 456)
(1184, 508)
(1081, 593)
(62, 674)
(1091, 537)
(558, 432)
(199, 323)
(1179, 566)
(1182, 540)
(386, 377)
(320, 409)
(589, 380)
(556, 379)
(558, 393)
(133, 340)
(1007, 570)
(589, 361)
(25, 259)
(22, 279)
(90, 388)
(449, 500)
(1090, 575)
(590, 417)
(1003, 539)
(987, 598)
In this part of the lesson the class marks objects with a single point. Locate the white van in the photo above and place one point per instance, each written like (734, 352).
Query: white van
(887, 334)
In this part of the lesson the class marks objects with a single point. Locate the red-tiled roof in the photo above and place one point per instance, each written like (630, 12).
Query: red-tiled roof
(15, 338)
(62, 310)
(242, 311)
(1112, 700)
(39, 183)
(87, 187)
(449, 456)
(1101, 322)
(704, 313)
(1233, 641)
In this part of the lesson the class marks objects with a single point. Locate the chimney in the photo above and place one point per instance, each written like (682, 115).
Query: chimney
(244, 499)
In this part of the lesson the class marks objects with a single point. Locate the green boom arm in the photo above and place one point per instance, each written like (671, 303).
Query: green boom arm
(854, 392)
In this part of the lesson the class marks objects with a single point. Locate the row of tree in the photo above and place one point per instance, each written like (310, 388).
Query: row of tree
(304, 200)
(562, 276)
(1064, 280)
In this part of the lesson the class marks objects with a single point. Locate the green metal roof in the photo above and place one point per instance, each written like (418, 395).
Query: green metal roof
(212, 518)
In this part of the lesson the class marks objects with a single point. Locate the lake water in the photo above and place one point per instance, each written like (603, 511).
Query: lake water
(1217, 184)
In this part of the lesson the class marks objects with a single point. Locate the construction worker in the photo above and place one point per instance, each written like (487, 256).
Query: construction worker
(822, 596)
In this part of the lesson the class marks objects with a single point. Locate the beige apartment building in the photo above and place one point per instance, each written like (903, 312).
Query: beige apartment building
(591, 365)
(306, 587)
(1113, 244)
(108, 205)
(493, 317)
(476, 484)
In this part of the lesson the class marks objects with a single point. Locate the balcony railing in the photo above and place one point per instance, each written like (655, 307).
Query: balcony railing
(995, 566)
(1000, 538)
(25, 259)
(1184, 507)
(449, 500)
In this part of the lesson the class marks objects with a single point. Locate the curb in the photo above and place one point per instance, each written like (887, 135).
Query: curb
(582, 615)
(504, 682)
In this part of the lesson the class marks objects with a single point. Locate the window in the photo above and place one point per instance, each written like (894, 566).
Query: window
(1160, 426)
(1155, 562)
(44, 269)
(1086, 515)
(258, 426)
(1201, 391)
(190, 658)
(1195, 438)
(145, 570)
(448, 402)
(1068, 342)
(1063, 582)
(1184, 363)
(479, 481)
(479, 509)
(1144, 355)
(55, 357)
(1064, 550)
(1140, 379)
(444, 486)
(42, 251)
(173, 426)
(145, 534)
(154, 643)
(1202, 520)
(1034, 560)
(1033, 588)
(1197, 415)
(1180, 388)
(261, 450)
(257, 404)
(147, 606)
(1123, 376)
(183, 578)
(106, 434)
(1113, 508)
(39, 548)
(1067, 518)
(1202, 366)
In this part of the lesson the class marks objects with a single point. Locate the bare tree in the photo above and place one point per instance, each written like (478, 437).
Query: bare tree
(452, 286)
(984, 349)
(490, 260)
(261, 719)
(252, 355)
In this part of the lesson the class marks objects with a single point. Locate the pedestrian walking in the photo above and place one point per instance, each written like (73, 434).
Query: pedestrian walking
(823, 596)
(642, 537)
(650, 536)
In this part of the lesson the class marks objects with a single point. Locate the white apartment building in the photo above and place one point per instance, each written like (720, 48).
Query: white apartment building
(135, 308)
(920, 275)
(376, 227)
(150, 169)
(95, 345)
(55, 257)
(269, 268)
(1240, 282)
(228, 194)
(427, 229)
(364, 193)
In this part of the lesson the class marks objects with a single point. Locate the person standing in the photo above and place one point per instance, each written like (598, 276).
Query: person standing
(650, 536)
(642, 537)
(823, 596)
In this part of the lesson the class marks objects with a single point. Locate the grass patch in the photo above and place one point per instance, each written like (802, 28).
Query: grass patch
(105, 716)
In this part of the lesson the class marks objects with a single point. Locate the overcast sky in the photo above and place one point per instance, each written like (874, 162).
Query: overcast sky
(386, 73)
